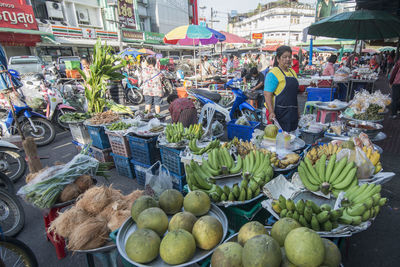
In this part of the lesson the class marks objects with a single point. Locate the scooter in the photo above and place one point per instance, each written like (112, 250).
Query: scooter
(12, 161)
(132, 91)
(239, 107)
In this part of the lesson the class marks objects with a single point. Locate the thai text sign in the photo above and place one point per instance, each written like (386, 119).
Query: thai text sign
(17, 16)
(126, 13)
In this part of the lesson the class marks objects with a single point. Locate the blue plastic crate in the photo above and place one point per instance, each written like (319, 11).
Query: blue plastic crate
(99, 137)
(140, 171)
(178, 182)
(144, 150)
(123, 165)
(320, 94)
(170, 157)
(243, 132)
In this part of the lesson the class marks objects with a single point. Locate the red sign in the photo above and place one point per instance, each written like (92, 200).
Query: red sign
(126, 13)
(257, 36)
(15, 15)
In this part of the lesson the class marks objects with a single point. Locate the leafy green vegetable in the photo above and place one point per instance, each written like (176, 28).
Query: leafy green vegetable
(118, 126)
(74, 117)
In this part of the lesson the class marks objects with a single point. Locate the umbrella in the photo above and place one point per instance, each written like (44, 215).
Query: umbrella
(348, 50)
(360, 25)
(147, 51)
(387, 48)
(369, 50)
(326, 49)
(130, 52)
(234, 39)
(221, 37)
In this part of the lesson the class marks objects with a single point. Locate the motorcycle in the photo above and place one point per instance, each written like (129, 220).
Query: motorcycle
(235, 109)
(132, 92)
(12, 161)
(168, 81)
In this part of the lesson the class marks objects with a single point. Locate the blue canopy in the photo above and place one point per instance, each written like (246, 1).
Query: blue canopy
(217, 35)
(130, 52)
(7, 81)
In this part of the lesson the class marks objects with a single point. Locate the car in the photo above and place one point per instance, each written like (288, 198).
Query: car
(26, 64)
(60, 64)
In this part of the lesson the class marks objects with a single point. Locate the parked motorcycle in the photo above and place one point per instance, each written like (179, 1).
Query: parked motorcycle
(132, 92)
(12, 161)
(168, 81)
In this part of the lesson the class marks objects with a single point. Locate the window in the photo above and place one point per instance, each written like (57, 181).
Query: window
(283, 34)
(284, 17)
(295, 20)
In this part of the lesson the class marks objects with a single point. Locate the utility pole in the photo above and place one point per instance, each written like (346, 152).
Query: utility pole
(213, 13)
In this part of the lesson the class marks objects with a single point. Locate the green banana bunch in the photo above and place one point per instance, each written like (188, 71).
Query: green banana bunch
(328, 177)
(200, 151)
(362, 203)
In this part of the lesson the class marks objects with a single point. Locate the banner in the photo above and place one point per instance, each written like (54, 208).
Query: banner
(257, 36)
(126, 13)
(17, 16)
(327, 8)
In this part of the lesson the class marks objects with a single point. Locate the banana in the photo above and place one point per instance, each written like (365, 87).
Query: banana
(377, 208)
(343, 174)
(282, 202)
(308, 213)
(212, 160)
(206, 166)
(253, 185)
(365, 216)
(224, 197)
(242, 196)
(257, 161)
(296, 216)
(283, 213)
(369, 152)
(311, 169)
(290, 205)
(315, 224)
(356, 219)
(275, 206)
(249, 194)
(313, 206)
(236, 191)
(327, 226)
(289, 214)
(226, 190)
(375, 199)
(323, 216)
(238, 166)
(330, 166)
(300, 205)
(330, 149)
(303, 221)
(356, 192)
(306, 182)
(308, 175)
(359, 199)
(257, 192)
(347, 181)
(325, 207)
(378, 168)
(201, 183)
(382, 201)
(231, 197)
(321, 168)
(338, 169)
(215, 197)
(369, 202)
(356, 210)
(335, 215)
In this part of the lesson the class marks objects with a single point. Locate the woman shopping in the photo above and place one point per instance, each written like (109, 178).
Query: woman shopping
(280, 91)
(152, 86)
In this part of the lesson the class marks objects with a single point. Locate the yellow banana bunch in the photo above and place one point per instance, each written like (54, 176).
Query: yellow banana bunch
(317, 152)
(374, 157)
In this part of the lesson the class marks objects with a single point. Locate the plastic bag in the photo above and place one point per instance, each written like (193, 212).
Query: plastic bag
(44, 189)
(365, 167)
(217, 128)
(158, 179)
(242, 121)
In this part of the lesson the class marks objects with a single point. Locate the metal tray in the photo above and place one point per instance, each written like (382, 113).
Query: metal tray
(371, 133)
(129, 226)
(352, 119)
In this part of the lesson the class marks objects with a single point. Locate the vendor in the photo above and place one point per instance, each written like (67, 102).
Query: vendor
(256, 81)
(280, 91)
(182, 110)
(206, 68)
(329, 69)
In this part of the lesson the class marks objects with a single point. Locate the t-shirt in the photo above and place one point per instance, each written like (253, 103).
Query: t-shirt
(254, 81)
(275, 81)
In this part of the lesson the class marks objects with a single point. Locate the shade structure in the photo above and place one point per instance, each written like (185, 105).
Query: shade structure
(359, 25)
(326, 49)
(130, 52)
(221, 37)
(270, 48)
(348, 50)
(369, 50)
(147, 51)
(387, 48)
(234, 39)
(190, 35)
(7, 81)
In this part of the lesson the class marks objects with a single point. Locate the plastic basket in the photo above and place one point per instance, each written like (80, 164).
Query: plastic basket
(72, 65)
(181, 91)
(178, 182)
(74, 74)
(144, 150)
(140, 171)
(99, 137)
(240, 215)
(102, 155)
(320, 94)
(170, 157)
(123, 165)
(243, 132)
(119, 144)
(79, 132)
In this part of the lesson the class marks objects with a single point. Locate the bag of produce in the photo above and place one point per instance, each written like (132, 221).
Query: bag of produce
(365, 168)
(44, 190)
(158, 179)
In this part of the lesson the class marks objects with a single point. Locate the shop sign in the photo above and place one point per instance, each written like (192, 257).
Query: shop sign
(126, 14)
(15, 15)
(132, 36)
(257, 36)
(106, 34)
(88, 33)
(154, 37)
(67, 31)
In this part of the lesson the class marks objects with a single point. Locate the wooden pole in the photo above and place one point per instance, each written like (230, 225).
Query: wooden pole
(31, 155)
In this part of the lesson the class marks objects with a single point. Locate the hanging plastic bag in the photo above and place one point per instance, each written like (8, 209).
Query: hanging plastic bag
(158, 179)
(242, 121)
(365, 167)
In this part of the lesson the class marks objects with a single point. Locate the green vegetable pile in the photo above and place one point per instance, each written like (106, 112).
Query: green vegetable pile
(45, 193)
(372, 113)
(67, 117)
(119, 126)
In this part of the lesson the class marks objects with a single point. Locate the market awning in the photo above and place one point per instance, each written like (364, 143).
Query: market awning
(23, 31)
(270, 48)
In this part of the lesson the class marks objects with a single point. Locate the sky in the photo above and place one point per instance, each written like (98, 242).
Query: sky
(225, 6)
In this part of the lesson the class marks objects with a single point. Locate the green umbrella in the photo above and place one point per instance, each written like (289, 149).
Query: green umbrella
(348, 50)
(359, 25)
(387, 48)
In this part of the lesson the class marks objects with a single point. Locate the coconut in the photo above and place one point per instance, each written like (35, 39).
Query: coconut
(129, 199)
(95, 199)
(92, 233)
(67, 220)
(117, 218)
(70, 192)
(84, 182)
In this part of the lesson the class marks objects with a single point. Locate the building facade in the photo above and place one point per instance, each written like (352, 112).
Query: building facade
(280, 22)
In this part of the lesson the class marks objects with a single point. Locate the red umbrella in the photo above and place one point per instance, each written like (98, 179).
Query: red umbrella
(271, 48)
(234, 39)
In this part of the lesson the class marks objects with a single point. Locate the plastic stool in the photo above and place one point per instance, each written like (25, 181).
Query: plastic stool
(325, 116)
(311, 105)
(57, 241)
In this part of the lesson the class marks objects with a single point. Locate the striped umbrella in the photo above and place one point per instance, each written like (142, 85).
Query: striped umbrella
(191, 35)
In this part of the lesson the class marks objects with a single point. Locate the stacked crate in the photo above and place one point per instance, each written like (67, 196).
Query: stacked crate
(100, 148)
(170, 157)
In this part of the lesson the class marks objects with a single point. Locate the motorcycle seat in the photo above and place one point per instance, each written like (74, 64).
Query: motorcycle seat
(213, 96)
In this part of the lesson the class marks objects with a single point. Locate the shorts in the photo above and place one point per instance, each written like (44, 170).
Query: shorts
(150, 100)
